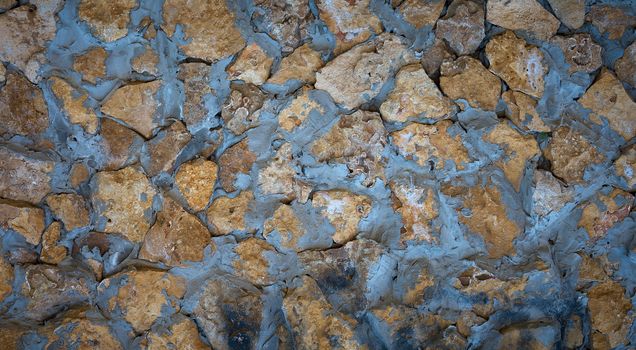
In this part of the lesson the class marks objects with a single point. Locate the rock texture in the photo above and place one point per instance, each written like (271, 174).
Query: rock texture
(466, 78)
(528, 16)
(136, 106)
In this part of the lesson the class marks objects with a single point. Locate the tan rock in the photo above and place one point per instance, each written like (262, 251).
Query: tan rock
(175, 238)
(7, 4)
(607, 98)
(120, 145)
(351, 22)
(598, 220)
(79, 174)
(517, 63)
(251, 66)
(357, 140)
(300, 65)
(288, 21)
(289, 227)
(625, 66)
(415, 95)
(367, 67)
(570, 12)
(278, 177)
(83, 333)
(208, 26)
(136, 106)
(422, 328)
(418, 207)
(3, 72)
(24, 176)
(52, 252)
(570, 154)
(92, 64)
(466, 78)
(70, 209)
(74, 104)
(466, 321)
(625, 166)
(183, 334)
(252, 264)
(241, 110)
(425, 143)
(195, 180)
(574, 337)
(23, 110)
(108, 21)
(295, 113)
(147, 62)
(609, 309)
(540, 337)
(526, 15)
(549, 195)
(226, 215)
(123, 200)
(26, 220)
(581, 52)
(236, 160)
(421, 13)
(610, 20)
(463, 26)
(162, 151)
(521, 110)
(196, 80)
(6, 279)
(344, 210)
(435, 54)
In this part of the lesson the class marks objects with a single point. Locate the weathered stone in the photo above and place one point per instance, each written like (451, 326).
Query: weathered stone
(350, 22)
(344, 210)
(25, 176)
(136, 106)
(301, 65)
(252, 263)
(415, 95)
(123, 200)
(78, 175)
(625, 166)
(517, 63)
(26, 220)
(608, 99)
(525, 15)
(412, 282)
(236, 160)
(251, 66)
(405, 327)
(160, 153)
(52, 252)
(549, 195)
(208, 27)
(574, 333)
(610, 20)
(421, 13)
(581, 52)
(625, 66)
(570, 154)
(74, 104)
(357, 140)
(120, 145)
(108, 21)
(527, 336)
(367, 67)
(143, 296)
(7, 4)
(195, 180)
(25, 32)
(83, 333)
(466, 321)
(463, 26)
(287, 21)
(241, 110)
(289, 227)
(6, 279)
(70, 209)
(295, 113)
(598, 217)
(3, 73)
(431, 143)
(570, 12)
(278, 177)
(435, 55)
(418, 207)
(466, 78)
(23, 110)
(175, 238)
(521, 110)
(182, 334)
(609, 309)
(196, 83)
(226, 215)
(92, 64)
(147, 62)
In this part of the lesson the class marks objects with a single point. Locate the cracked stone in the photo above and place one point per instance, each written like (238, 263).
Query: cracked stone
(135, 105)
(549, 194)
(610, 20)
(344, 210)
(92, 64)
(120, 145)
(625, 166)
(609, 309)
(83, 333)
(108, 21)
(435, 55)
(70, 209)
(182, 334)
(598, 217)
(421, 13)
(241, 110)
(234, 162)
(570, 12)
(251, 66)
(160, 153)
(226, 215)
(147, 62)
(295, 113)
(466, 78)
(418, 206)
(26, 220)
(196, 84)
(301, 65)
(52, 252)
(521, 110)
(195, 180)
(25, 176)
(252, 264)
(287, 21)
(570, 154)
(279, 177)
(74, 102)
(463, 26)
(351, 22)
(625, 66)
(20, 98)
(523, 15)
(581, 52)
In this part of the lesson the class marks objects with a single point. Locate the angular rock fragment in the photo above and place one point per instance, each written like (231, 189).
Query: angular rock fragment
(570, 154)
(23, 110)
(279, 177)
(466, 78)
(289, 227)
(6, 279)
(3, 72)
(108, 21)
(52, 252)
(421, 13)
(251, 66)
(70, 209)
(92, 64)
(434, 55)
(549, 194)
(625, 66)
(581, 52)
(350, 22)
(83, 332)
(74, 104)
(235, 161)
(625, 166)
(610, 20)
(195, 180)
(344, 210)
(79, 173)
(418, 207)
(120, 145)
(570, 12)
(287, 21)
(252, 263)
(521, 110)
(226, 215)
(601, 215)
(147, 62)
(24, 176)
(525, 15)
(301, 65)
(160, 153)
(196, 84)
(135, 105)
(241, 110)
(26, 220)
(463, 26)
(182, 334)
(609, 309)
(402, 326)
(298, 110)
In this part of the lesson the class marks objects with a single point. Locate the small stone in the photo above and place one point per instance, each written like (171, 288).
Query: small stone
(3, 72)
(226, 215)
(135, 105)
(597, 218)
(176, 237)
(70, 209)
(570, 154)
(160, 153)
(24, 176)
(289, 227)
(195, 180)
(123, 202)
(521, 110)
(625, 66)
(520, 65)
(74, 104)
(608, 99)
(300, 65)
(236, 160)
(431, 143)
(92, 64)
(83, 333)
(463, 26)
(525, 15)
(367, 67)
(108, 21)
(344, 210)
(147, 62)
(351, 22)
(295, 113)
(287, 21)
(182, 334)
(435, 55)
(581, 52)
(251, 66)
(549, 194)
(6, 279)
(418, 207)
(79, 174)
(421, 13)
(120, 145)
(609, 309)
(20, 98)
(570, 12)
(610, 20)
(26, 220)
(357, 140)
(625, 166)
(415, 95)
(196, 84)
(466, 78)
(207, 25)
(278, 177)
(241, 110)
(52, 252)
(252, 264)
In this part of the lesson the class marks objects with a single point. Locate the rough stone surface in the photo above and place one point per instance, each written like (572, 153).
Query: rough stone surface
(92, 64)
(160, 153)
(195, 180)
(570, 12)
(108, 21)
(52, 252)
(70, 209)
(570, 154)
(195, 77)
(136, 106)
(418, 206)
(300, 65)
(74, 105)
(23, 111)
(521, 110)
(344, 211)
(602, 214)
(581, 52)
(242, 108)
(463, 26)
(228, 214)
(25, 176)
(625, 166)
(251, 66)
(523, 15)
(466, 78)
(182, 334)
(120, 145)
(435, 55)
(550, 194)
(298, 110)
(28, 221)
(608, 309)
(146, 63)
(288, 22)
(235, 161)
(625, 66)
(421, 13)
(611, 21)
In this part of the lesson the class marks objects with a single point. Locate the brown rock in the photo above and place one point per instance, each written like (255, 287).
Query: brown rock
(161, 152)
(434, 55)
(570, 154)
(251, 66)
(289, 227)
(625, 166)
(74, 104)
(625, 66)
(463, 26)
(287, 21)
(351, 22)
(83, 333)
(424, 329)
(226, 215)
(607, 98)
(24, 176)
(176, 237)
(26, 220)
(79, 174)
(252, 264)
(195, 180)
(517, 63)
(418, 206)
(357, 140)
(300, 65)
(182, 334)
(7, 4)
(3, 72)
(123, 200)
(598, 219)
(574, 333)
(549, 195)
(6, 279)
(146, 63)
(421, 13)
(241, 110)
(208, 25)
(298, 110)
(108, 21)
(120, 145)
(367, 67)
(279, 177)
(236, 160)
(196, 80)
(609, 309)
(52, 253)
(466, 321)
(92, 64)
(610, 20)
(526, 15)
(23, 110)
(70, 209)
(528, 336)
(344, 210)
(135, 105)
(581, 52)
(521, 110)
(415, 95)
(570, 12)
(466, 78)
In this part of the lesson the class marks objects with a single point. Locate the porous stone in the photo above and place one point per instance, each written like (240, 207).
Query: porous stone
(25, 176)
(74, 102)
(523, 15)
(625, 66)
(108, 21)
(418, 206)
(83, 332)
(52, 252)
(344, 210)
(136, 106)
(611, 21)
(120, 145)
(195, 180)
(421, 13)
(549, 195)
(421, 329)
(625, 166)
(521, 110)
(279, 176)
(289, 227)
(570, 154)
(570, 12)
(608, 210)
(196, 85)
(609, 309)
(70, 209)
(182, 334)
(520, 65)
(236, 160)
(466, 78)
(160, 153)
(287, 21)
(226, 214)
(581, 52)
(23, 110)
(301, 65)
(26, 220)
(295, 113)
(241, 110)
(208, 27)
(252, 263)
(350, 22)
(463, 26)
(91, 64)
(251, 66)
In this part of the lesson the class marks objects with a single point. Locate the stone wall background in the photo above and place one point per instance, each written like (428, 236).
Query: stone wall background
(318, 174)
